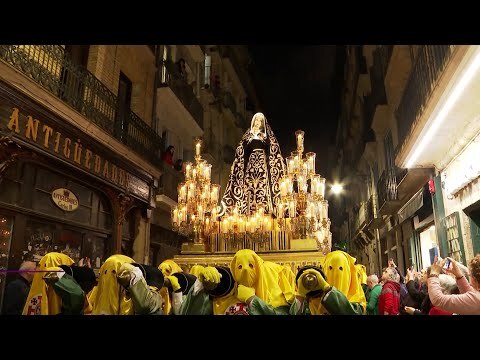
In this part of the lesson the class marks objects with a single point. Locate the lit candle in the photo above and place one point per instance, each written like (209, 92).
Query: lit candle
(261, 211)
(321, 187)
(289, 186)
(175, 215)
(241, 225)
(292, 211)
(304, 168)
(207, 170)
(302, 183)
(191, 191)
(214, 194)
(315, 185)
(290, 165)
(198, 146)
(311, 162)
(194, 174)
(299, 135)
(188, 170)
(296, 161)
(280, 213)
(283, 187)
(182, 192)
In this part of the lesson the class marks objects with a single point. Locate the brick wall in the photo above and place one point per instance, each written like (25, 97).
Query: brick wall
(137, 62)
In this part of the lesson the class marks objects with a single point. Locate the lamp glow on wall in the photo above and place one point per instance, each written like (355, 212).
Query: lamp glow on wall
(196, 213)
(450, 100)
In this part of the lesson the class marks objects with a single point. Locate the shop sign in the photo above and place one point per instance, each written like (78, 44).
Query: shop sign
(463, 169)
(69, 148)
(65, 199)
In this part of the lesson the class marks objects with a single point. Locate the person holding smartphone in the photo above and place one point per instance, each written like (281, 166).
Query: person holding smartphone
(465, 303)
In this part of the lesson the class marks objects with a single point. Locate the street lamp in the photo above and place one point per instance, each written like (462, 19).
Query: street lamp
(337, 188)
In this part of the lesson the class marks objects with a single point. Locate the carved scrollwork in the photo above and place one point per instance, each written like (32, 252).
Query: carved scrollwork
(11, 152)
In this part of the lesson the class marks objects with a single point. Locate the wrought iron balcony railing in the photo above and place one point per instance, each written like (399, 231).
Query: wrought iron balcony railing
(429, 65)
(387, 187)
(51, 67)
(172, 77)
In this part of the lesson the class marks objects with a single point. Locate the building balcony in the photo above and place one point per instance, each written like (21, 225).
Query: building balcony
(429, 65)
(388, 201)
(168, 185)
(51, 67)
(174, 89)
(410, 181)
(237, 72)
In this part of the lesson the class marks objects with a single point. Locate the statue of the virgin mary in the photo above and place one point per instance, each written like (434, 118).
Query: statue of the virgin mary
(256, 171)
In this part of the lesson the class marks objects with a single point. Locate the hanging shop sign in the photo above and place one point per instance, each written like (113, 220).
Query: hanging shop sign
(70, 148)
(65, 199)
(464, 169)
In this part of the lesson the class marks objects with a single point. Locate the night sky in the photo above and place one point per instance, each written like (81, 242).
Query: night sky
(299, 88)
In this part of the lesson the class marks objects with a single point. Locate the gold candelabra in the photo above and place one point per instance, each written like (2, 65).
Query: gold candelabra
(195, 216)
(302, 198)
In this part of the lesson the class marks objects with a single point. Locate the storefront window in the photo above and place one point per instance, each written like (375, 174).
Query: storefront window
(127, 248)
(428, 246)
(94, 249)
(39, 238)
(454, 237)
(69, 243)
(6, 225)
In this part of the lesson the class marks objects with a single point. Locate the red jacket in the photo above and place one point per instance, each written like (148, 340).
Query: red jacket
(389, 299)
(437, 311)
(168, 158)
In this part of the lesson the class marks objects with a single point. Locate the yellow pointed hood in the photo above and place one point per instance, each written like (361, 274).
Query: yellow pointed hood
(272, 282)
(169, 267)
(361, 273)
(340, 270)
(42, 299)
(110, 297)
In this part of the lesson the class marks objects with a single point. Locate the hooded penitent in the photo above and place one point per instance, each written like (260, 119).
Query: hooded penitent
(341, 273)
(168, 267)
(361, 273)
(42, 299)
(110, 297)
(273, 283)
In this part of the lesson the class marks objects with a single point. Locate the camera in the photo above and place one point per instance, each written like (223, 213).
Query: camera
(447, 264)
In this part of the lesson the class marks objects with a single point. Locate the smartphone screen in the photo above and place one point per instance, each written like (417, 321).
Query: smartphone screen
(447, 264)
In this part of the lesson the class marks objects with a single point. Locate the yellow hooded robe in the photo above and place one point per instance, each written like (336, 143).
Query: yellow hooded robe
(340, 271)
(168, 267)
(42, 299)
(273, 283)
(110, 298)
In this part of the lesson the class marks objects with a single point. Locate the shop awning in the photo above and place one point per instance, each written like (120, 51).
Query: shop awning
(409, 209)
